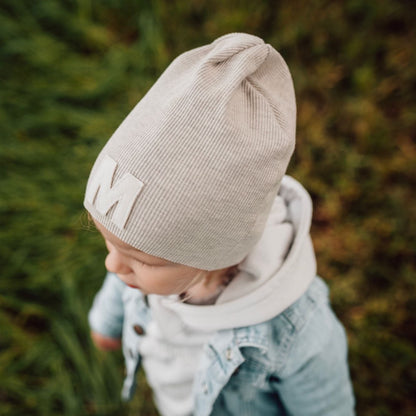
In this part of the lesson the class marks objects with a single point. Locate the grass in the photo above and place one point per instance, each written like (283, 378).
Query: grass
(70, 73)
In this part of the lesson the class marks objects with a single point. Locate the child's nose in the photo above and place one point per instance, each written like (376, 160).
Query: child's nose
(114, 263)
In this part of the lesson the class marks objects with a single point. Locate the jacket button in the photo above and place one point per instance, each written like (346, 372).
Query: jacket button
(138, 329)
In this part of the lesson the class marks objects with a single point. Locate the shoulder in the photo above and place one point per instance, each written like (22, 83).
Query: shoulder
(294, 335)
(310, 328)
(299, 315)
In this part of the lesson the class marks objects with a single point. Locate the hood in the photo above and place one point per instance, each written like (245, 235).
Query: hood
(275, 273)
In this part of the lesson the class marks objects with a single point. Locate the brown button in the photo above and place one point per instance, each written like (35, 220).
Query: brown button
(138, 329)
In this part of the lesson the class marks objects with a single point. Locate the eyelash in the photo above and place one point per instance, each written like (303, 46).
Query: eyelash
(145, 265)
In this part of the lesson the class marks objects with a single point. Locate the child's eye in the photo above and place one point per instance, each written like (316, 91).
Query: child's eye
(141, 264)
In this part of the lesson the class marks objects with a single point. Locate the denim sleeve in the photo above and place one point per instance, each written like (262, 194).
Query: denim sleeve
(107, 313)
(315, 380)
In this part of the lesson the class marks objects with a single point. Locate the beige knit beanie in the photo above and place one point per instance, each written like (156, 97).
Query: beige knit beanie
(191, 174)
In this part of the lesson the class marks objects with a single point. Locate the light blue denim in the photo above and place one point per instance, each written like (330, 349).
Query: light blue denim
(294, 364)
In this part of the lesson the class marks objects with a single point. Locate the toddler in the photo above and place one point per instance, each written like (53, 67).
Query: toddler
(211, 281)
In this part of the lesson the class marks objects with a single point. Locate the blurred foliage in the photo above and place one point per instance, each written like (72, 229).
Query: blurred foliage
(70, 72)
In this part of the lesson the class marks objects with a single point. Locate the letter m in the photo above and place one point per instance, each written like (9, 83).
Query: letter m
(103, 194)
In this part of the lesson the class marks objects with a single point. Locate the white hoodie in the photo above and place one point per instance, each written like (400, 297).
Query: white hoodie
(275, 274)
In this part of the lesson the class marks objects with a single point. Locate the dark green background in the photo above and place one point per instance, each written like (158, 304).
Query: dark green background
(71, 71)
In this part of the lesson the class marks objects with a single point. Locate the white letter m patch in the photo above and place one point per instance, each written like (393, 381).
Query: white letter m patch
(103, 194)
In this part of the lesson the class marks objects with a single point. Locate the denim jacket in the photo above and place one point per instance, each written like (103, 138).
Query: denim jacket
(292, 364)
(277, 347)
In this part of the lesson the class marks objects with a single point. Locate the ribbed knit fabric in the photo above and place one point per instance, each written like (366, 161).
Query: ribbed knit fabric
(191, 173)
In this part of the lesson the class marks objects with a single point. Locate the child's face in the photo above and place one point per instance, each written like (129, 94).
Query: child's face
(143, 271)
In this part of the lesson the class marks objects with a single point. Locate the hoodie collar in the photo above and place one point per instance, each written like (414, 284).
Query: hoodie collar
(275, 273)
